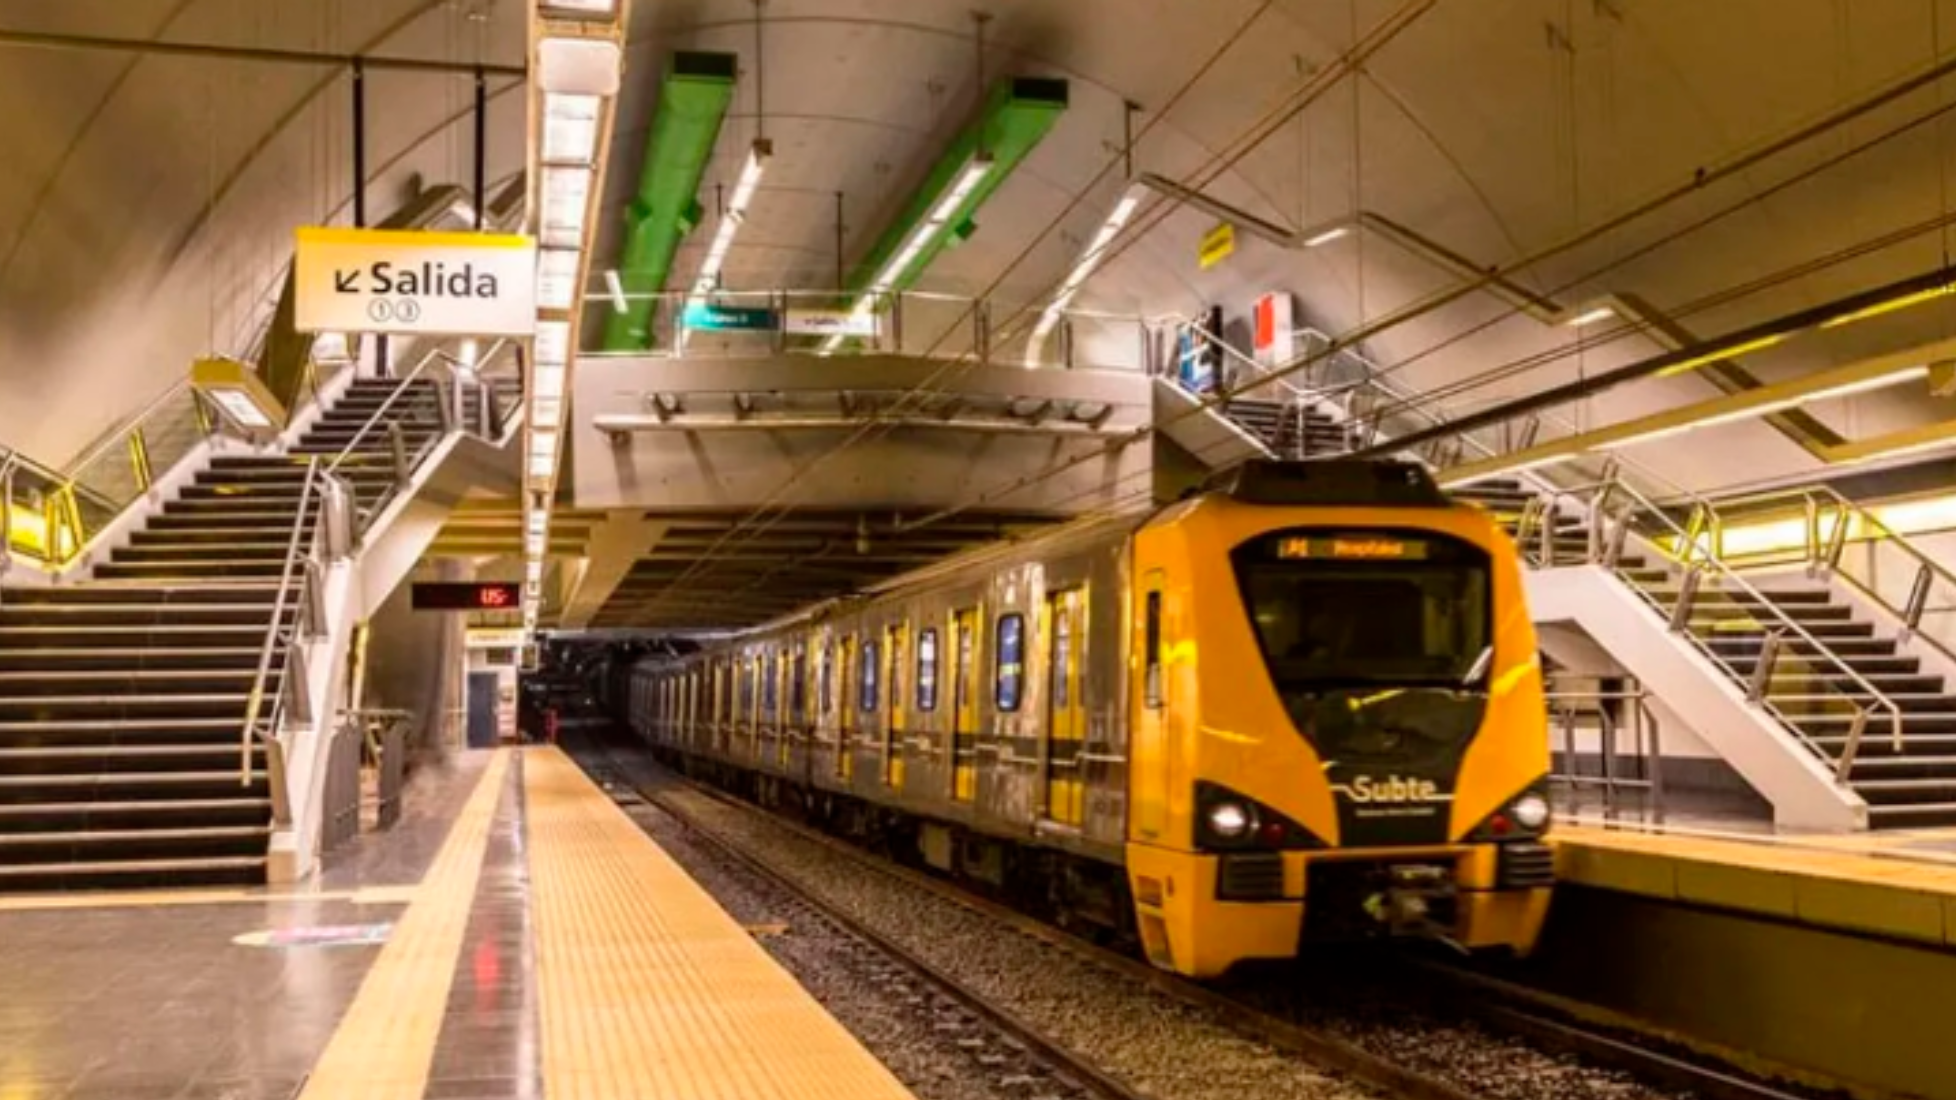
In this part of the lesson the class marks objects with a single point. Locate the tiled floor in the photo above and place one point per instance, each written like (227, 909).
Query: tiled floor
(148, 996)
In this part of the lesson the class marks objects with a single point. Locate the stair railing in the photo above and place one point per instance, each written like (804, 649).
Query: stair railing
(325, 501)
(1829, 525)
(434, 365)
(1699, 563)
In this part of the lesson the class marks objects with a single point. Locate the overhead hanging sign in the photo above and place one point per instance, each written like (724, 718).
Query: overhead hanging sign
(830, 322)
(1217, 244)
(708, 317)
(417, 283)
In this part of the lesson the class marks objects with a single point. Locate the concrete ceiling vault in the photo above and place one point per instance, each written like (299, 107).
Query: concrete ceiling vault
(147, 201)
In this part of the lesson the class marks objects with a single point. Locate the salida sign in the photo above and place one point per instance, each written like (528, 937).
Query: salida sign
(377, 280)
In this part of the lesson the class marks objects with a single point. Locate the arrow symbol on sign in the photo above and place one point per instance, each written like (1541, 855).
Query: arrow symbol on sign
(347, 282)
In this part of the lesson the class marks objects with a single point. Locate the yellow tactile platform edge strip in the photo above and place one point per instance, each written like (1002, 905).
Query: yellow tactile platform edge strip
(647, 987)
(385, 1044)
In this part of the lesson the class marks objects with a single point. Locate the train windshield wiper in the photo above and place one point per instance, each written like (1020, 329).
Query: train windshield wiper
(1477, 672)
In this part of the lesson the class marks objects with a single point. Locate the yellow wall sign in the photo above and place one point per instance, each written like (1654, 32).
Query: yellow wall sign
(1217, 244)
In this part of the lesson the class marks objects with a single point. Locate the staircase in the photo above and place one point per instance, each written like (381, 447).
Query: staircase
(123, 698)
(1284, 432)
(1809, 691)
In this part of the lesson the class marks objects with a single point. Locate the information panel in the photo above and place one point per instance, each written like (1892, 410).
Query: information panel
(397, 281)
(436, 596)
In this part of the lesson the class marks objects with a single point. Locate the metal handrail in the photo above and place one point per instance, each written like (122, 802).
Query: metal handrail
(279, 603)
(1595, 506)
(118, 436)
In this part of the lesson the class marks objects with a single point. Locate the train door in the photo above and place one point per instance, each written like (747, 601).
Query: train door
(845, 750)
(964, 705)
(1066, 711)
(795, 669)
(894, 648)
(717, 708)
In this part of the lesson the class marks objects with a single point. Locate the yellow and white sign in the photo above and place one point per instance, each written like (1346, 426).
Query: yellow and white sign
(397, 281)
(1216, 245)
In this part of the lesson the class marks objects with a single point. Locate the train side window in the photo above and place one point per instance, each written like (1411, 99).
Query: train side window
(927, 670)
(1011, 661)
(770, 687)
(1151, 648)
(825, 680)
(798, 686)
(868, 699)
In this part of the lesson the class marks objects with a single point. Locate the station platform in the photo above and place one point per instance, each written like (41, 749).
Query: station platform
(1899, 885)
(516, 936)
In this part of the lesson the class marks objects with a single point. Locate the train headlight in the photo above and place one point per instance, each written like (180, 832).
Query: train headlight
(1531, 811)
(1229, 819)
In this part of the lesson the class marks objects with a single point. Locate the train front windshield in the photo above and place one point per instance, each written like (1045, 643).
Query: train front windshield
(1346, 609)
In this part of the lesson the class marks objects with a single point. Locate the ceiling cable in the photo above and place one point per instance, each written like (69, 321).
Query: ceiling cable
(774, 500)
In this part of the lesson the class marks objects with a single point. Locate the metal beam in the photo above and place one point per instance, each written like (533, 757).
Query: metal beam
(211, 51)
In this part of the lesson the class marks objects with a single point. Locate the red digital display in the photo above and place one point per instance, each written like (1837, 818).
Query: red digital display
(467, 597)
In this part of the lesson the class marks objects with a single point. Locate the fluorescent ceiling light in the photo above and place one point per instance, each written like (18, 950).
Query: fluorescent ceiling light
(547, 413)
(580, 7)
(939, 218)
(615, 286)
(1846, 389)
(1590, 317)
(730, 221)
(468, 352)
(578, 66)
(557, 277)
(549, 380)
(566, 204)
(1327, 236)
(553, 343)
(570, 128)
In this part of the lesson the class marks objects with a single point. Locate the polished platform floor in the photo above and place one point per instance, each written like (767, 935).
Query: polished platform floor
(516, 936)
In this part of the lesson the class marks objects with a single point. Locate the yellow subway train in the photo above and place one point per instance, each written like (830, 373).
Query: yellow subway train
(1304, 703)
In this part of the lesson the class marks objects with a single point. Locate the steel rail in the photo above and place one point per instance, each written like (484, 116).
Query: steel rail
(1090, 1076)
(1526, 1012)
(1326, 1050)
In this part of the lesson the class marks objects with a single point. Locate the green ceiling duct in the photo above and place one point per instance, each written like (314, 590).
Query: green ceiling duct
(1017, 115)
(693, 100)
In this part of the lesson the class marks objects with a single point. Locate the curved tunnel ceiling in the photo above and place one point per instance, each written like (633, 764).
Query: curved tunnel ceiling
(146, 202)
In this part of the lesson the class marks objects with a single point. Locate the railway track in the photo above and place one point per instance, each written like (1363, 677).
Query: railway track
(1015, 1055)
(1498, 1006)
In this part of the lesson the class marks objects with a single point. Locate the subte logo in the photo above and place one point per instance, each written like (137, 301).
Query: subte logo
(1391, 789)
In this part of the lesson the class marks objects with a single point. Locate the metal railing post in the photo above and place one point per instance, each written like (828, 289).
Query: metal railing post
(1619, 535)
(1547, 536)
(447, 407)
(397, 442)
(315, 597)
(1852, 748)
(981, 320)
(485, 412)
(6, 514)
(1836, 543)
(1762, 673)
(1687, 598)
(275, 779)
(1065, 333)
(1918, 601)
(1811, 535)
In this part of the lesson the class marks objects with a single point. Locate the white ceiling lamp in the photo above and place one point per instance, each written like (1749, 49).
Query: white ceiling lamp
(1083, 269)
(543, 454)
(557, 270)
(566, 206)
(615, 287)
(920, 239)
(1591, 316)
(570, 128)
(1846, 389)
(581, 8)
(1334, 233)
(731, 219)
